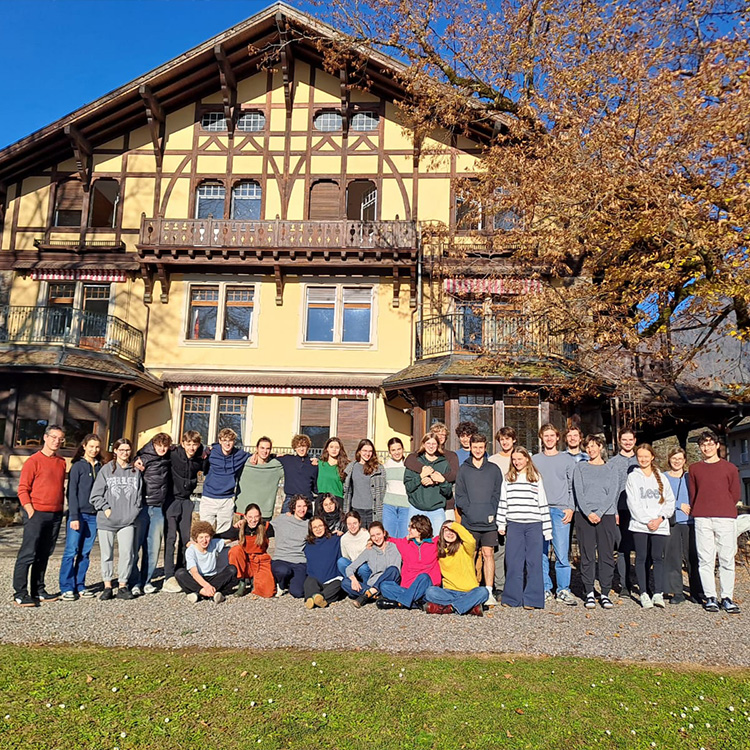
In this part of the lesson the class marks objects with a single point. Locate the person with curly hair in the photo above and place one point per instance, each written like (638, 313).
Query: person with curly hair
(364, 484)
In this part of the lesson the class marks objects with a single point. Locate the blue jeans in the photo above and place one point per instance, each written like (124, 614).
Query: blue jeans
(363, 573)
(437, 517)
(149, 533)
(461, 601)
(396, 520)
(389, 574)
(523, 551)
(75, 560)
(406, 597)
(561, 545)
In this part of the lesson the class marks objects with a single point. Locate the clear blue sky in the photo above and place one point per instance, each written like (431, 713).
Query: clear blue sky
(57, 55)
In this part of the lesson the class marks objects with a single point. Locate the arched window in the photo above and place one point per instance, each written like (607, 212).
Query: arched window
(365, 121)
(361, 200)
(251, 122)
(68, 204)
(328, 121)
(209, 200)
(246, 198)
(104, 198)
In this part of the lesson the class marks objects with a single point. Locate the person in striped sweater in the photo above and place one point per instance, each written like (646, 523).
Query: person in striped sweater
(523, 516)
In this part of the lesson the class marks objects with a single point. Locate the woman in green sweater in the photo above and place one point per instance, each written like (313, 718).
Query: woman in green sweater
(429, 491)
(259, 481)
(333, 463)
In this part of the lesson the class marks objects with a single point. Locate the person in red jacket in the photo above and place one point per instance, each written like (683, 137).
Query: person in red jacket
(41, 492)
(419, 567)
(714, 491)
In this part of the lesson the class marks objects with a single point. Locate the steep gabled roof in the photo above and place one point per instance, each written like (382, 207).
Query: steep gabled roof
(186, 79)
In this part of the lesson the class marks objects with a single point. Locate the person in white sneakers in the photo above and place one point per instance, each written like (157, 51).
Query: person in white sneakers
(714, 486)
(651, 503)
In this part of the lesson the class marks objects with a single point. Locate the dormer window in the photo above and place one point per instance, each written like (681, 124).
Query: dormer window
(251, 122)
(214, 122)
(328, 122)
(365, 121)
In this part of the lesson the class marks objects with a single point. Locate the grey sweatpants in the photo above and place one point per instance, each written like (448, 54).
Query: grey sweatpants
(125, 553)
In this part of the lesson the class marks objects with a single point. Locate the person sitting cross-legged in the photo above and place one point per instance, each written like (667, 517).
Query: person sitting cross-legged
(204, 575)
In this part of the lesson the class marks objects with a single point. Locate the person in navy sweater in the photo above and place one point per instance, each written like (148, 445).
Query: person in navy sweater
(300, 472)
(225, 465)
(323, 549)
(81, 531)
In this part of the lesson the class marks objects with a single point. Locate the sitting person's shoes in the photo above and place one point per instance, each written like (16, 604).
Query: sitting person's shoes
(171, 586)
(367, 596)
(476, 610)
(437, 609)
(388, 604)
(241, 588)
(320, 601)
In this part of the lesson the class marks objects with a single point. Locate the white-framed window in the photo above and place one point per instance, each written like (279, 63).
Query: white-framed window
(209, 200)
(222, 311)
(251, 122)
(338, 314)
(328, 121)
(209, 414)
(365, 121)
(246, 201)
(213, 122)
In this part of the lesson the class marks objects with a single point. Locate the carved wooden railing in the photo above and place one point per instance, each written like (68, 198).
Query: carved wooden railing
(346, 234)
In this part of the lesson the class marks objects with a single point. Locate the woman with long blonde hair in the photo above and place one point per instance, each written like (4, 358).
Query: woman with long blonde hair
(651, 503)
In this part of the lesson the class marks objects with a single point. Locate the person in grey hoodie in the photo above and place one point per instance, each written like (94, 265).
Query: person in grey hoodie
(384, 561)
(117, 497)
(477, 493)
(596, 489)
(557, 474)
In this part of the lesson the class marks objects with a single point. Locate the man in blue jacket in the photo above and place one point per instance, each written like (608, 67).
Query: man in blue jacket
(477, 496)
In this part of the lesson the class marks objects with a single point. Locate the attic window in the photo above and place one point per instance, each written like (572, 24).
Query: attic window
(365, 121)
(213, 122)
(251, 122)
(328, 122)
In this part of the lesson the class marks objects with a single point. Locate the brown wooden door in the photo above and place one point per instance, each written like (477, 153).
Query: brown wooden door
(325, 203)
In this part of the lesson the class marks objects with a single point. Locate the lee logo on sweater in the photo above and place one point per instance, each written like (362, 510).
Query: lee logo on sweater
(649, 494)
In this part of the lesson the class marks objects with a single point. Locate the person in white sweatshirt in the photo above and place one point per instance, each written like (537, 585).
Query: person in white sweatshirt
(651, 503)
(523, 515)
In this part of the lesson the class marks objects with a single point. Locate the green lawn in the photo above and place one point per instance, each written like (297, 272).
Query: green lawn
(104, 699)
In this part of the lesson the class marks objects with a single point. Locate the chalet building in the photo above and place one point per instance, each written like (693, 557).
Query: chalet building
(241, 239)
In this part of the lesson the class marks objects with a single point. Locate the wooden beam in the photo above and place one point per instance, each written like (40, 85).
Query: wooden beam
(279, 285)
(344, 86)
(148, 282)
(164, 278)
(396, 286)
(228, 87)
(287, 61)
(413, 288)
(156, 118)
(82, 152)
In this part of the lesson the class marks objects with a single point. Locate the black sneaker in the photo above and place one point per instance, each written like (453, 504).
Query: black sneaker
(124, 594)
(729, 606)
(106, 595)
(711, 604)
(45, 596)
(24, 600)
(388, 604)
(241, 588)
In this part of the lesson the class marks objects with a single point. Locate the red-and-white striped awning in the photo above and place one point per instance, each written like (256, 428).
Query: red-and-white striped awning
(273, 390)
(60, 274)
(499, 285)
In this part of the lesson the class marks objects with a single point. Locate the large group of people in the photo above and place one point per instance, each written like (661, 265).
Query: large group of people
(444, 531)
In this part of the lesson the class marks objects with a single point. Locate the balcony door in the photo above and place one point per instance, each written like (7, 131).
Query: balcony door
(325, 203)
(361, 200)
(60, 299)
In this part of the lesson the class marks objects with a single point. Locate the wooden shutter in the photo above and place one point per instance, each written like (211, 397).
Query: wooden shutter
(324, 201)
(352, 424)
(69, 196)
(315, 412)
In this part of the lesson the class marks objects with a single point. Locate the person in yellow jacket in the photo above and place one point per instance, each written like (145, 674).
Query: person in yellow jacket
(459, 592)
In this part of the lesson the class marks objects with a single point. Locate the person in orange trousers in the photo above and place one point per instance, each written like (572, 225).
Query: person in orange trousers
(251, 557)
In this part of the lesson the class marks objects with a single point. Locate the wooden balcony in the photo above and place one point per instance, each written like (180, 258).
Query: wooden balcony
(375, 241)
(64, 326)
(517, 336)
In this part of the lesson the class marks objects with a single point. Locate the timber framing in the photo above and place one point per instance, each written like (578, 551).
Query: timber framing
(82, 151)
(279, 32)
(156, 121)
(228, 87)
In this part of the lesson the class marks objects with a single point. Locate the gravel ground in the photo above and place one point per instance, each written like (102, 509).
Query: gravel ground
(678, 634)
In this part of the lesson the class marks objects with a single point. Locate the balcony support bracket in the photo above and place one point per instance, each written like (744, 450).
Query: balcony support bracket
(413, 288)
(82, 152)
(396, 286)
(279, 285)
(228, 87)
(165, 281)
(148, 283)
(344, 82)
(156, 121)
